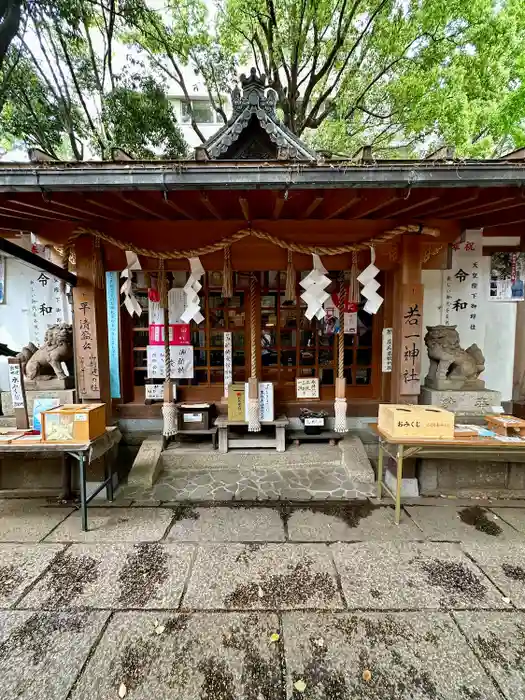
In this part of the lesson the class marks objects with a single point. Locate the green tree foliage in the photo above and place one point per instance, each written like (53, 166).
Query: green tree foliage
(387, 72)
(63, 86)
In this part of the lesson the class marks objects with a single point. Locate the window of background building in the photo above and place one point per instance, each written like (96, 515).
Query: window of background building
(202, 111)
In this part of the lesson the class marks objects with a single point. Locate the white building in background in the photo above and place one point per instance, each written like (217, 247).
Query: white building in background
(206, 117)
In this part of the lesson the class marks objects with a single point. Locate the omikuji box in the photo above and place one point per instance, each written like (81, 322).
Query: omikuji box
(74, 422)
(406, 420)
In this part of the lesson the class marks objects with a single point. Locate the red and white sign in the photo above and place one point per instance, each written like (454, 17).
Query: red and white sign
(179, 334)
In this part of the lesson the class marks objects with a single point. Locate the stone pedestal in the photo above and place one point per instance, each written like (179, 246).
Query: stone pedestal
(64, 396)
(462, 403)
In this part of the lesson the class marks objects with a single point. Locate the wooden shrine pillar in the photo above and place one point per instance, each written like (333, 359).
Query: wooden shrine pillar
(408, 329)
(90, 331)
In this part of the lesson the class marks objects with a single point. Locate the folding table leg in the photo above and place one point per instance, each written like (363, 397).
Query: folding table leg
(399, 463)
(83, 504)
(380, 459)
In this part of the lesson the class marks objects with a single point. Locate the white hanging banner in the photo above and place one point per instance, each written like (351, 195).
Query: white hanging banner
(48, 305)
(228, 361)
(181, 362)
(314, 285)
(464, 289)
(192, 289)
(386, 363)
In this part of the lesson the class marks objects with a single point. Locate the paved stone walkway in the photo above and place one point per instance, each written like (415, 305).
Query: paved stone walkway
(248, 602)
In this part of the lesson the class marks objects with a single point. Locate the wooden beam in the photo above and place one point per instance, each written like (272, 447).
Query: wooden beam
(488, 209)
(278, 206)
(490, 219)
(245, 208)
(176, 207)
(414, 205)
(10, 248)
(26, 215)
(46, 210)
(210, 206)
(377, 206)
(112, 209)
(453, 205)
(343, 208)
(141, 207)
(312, 207)
(89, 212)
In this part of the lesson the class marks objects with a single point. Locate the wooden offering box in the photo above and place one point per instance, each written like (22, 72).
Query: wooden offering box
(509, 426)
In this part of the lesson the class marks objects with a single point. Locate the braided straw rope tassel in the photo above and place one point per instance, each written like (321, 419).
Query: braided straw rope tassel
(227, 275)
(169, 410)
(353, 286)
(254, 423)
(340, 385)
(289, 294)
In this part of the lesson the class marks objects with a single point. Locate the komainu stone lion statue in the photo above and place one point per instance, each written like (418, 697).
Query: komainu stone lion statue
(451, 367)
(45, 362)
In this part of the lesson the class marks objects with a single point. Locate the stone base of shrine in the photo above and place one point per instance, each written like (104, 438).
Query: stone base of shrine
(462, 403)
(63, 395)
(312, 471)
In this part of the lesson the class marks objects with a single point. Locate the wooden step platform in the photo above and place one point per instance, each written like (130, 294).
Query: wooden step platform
(298, 436)
(228, 442)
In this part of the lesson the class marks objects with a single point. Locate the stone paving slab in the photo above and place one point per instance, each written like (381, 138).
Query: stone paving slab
(146, 575)
(20, 565)
(115, 525)
(260, 484)
(471, 523)
(410, 575)
(513, 516)
(498, 640)
(504, 564)
(41, 654)
(272, 576)
(349, 522)
(24, 520)
(223, 524)
(211, 657)
(408, 656)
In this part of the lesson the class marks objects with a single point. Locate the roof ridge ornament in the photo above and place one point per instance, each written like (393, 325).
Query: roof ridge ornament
(255, 93)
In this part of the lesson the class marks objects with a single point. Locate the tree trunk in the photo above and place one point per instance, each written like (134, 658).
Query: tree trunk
(10, 13)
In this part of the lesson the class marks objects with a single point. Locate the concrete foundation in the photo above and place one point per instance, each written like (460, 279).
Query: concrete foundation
(463, 477)
(462, 403)
(64, 396)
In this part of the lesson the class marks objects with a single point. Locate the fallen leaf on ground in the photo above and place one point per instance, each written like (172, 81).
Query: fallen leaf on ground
(495, 517)
(319, 642)
(260, 592)
(122, 691)
(505, 599)
(367, 676)
(160, 629)
(274, 637)
(300, 686)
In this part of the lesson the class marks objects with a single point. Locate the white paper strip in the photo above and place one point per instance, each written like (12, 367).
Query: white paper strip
(191, 290)
(132, 261)
(314, 285)
(228, 361)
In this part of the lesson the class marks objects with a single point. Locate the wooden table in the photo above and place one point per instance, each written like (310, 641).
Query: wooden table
(433, 448)
(84, 453)
(255, 439)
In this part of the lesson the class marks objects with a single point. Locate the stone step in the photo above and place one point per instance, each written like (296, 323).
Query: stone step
(259, 484)
(181, 456)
